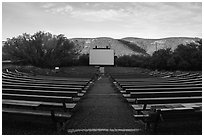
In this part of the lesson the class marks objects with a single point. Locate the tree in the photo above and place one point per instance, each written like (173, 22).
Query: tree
(41, 49)
(190, 55)
(83, 60)
(160, 58)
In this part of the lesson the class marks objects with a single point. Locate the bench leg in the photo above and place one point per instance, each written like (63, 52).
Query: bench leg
(53, 119)
(64, 106)
(147, 126)
(155, 127)
(60, 126)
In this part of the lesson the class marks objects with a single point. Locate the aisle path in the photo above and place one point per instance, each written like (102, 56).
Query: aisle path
(103, 110)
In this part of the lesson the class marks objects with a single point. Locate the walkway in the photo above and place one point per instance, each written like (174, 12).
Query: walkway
(103, 110)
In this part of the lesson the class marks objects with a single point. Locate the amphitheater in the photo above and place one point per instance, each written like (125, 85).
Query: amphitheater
(119, 101)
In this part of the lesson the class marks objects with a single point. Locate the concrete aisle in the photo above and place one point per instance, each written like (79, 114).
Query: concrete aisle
(103, 110)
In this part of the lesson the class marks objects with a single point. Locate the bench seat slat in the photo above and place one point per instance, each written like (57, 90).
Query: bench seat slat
(41, 92)
(169, 100)
(39, 87)
(43, 82)
(35, 112)
(37, 97)
(45, 85)
(139, 107)
(47, 79)
(159, 83)
(165, 94)
(164, 89)
(160, 86)
(36, 103)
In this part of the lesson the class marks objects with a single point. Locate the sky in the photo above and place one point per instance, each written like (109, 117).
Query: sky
(103, 19)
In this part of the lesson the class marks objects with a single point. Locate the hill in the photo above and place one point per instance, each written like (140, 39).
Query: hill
(83, 45)
(130, 45)
(151, 45)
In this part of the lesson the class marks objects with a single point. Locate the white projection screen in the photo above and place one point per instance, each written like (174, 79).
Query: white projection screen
(101, 57)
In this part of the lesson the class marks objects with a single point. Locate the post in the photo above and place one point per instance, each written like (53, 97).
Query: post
(101, 69)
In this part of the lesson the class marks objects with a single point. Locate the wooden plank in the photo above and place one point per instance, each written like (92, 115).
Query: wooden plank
(166, 100)
(58, 99)
(165, 94)
(41, 84)
(36, 103)
(23, 103)
(41, 92)
(47, 79)
(139, 80)
(35, 112)
(4, 86)
(139, 107)
(160, 83)
(161, 86)
(163, 89)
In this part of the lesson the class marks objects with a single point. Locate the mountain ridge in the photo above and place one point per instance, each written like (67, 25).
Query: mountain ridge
(130, 45)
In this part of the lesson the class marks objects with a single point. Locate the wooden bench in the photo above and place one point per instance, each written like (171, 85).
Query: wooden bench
(40, 92)
(159, 83)
(29, 75)
(38, 104)
(165, 94)
(163, 89)
(160, 86)
(41, 84)
(51, 80)
(44, 98)
(168, 100)
(46, 78)
(58, 118)
(140, 107)
(155, 116)
(40, 87)
(157, 79)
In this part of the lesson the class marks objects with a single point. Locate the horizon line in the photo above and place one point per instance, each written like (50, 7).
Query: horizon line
(119, 38)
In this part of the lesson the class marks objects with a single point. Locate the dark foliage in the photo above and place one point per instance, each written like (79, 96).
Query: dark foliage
(132, 61)
(184, 57)
(41, 49)
(160, 58)
(83, 60)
